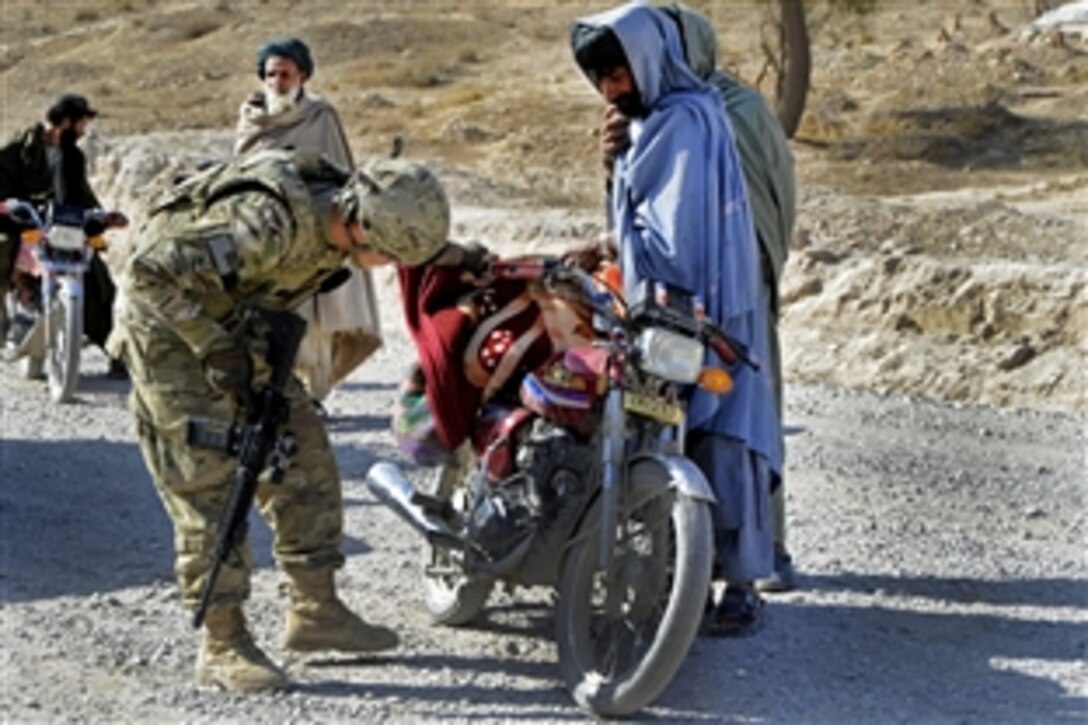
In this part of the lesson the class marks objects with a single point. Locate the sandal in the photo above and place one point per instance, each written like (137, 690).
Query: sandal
(738, 614)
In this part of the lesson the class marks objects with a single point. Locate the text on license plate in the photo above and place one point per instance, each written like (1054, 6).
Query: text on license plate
(653, 407)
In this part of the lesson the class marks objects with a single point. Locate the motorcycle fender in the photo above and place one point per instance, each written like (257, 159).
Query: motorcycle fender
(683, 474)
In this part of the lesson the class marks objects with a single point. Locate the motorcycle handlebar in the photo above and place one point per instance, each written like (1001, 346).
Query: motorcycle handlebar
(546, 268)
(21, 212)
(555, 269)
(93, 221)
(731, 351)
(106, 219)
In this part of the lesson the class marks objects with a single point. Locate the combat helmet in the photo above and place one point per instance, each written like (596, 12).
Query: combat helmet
(401, 206)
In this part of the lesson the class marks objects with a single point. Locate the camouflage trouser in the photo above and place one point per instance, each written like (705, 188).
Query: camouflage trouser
(305, 510)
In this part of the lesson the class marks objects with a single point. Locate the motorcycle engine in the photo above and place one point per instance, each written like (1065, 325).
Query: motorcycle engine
(551, 470)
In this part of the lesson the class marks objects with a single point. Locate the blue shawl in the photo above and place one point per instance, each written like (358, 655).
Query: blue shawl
(681, 216)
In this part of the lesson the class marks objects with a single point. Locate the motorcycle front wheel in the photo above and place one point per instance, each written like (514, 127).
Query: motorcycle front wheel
(64, 342)
(614, 664)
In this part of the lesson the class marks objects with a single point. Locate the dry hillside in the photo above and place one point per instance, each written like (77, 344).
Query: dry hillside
(942, 222)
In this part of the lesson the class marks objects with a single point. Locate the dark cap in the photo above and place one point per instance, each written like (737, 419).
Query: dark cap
(69, 105)
(290, 48)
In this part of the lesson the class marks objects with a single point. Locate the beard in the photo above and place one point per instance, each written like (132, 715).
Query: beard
(630, 105)
(68, 138)
(278, 103)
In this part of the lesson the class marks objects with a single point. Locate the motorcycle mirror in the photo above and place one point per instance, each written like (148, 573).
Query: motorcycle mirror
(21, 214)
(94, 227)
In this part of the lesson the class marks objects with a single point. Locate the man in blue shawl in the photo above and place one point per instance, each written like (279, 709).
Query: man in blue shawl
(681, 216)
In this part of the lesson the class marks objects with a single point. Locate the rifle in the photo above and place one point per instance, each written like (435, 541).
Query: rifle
(257, 444)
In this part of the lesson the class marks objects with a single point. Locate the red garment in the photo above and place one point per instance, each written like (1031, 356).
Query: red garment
(472, 340)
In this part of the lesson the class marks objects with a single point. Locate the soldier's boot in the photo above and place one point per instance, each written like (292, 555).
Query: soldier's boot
(229, 657)
(319, 621)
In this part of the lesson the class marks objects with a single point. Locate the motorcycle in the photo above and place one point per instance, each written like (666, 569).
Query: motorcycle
(581, 484)
(55, 252)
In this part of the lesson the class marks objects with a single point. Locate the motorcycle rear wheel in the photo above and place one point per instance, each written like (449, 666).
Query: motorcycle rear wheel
(34, 367)
(64, 330)
(663, 559)
(453, 597)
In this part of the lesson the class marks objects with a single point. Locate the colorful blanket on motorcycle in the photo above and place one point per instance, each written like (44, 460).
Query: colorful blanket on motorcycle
(474, 343)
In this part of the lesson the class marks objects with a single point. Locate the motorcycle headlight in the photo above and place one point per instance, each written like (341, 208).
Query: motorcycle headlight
(670, 355)
(66, 238)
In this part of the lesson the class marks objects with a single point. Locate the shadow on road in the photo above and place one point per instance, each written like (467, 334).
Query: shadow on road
(829, 660)
(90, 524)
(1052, 592)
(519, 701)
(349, 385)
(356, 423)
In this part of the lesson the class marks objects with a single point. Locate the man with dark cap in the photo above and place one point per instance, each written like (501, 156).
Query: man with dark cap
(344, 327)
(682, 217)
(44, 163)
(26, 170)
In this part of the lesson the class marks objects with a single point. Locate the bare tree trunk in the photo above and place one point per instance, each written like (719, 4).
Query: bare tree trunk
(795, 65)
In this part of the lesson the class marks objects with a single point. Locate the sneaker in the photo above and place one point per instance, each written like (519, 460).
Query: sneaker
(738, 614)
(784, 577)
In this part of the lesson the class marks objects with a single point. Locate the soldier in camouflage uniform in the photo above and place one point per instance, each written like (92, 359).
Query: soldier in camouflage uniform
(259, 233)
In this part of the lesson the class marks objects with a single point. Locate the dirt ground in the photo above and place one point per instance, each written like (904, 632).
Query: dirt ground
(942, 160)
(934, 328)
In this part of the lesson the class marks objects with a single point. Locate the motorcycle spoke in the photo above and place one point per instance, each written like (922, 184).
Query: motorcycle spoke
(645, 546)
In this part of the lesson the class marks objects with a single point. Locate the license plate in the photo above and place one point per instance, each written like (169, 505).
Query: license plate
(653, 407)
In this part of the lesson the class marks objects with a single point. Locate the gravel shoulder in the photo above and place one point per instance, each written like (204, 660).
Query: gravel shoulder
(939, 252)
(941, 546)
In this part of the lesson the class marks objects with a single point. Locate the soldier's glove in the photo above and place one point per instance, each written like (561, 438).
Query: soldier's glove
(229, 371)
(590, 256)
(476, 258)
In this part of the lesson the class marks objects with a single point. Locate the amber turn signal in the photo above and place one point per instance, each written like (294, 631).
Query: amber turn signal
(715, 380)
(31, 236)
(97, 243)
(613, 277)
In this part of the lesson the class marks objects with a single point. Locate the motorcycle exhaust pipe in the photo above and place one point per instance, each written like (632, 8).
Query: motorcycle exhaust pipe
(386, 481)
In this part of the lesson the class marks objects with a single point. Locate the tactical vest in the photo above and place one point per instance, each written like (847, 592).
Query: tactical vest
(293, 179)
(190, 236)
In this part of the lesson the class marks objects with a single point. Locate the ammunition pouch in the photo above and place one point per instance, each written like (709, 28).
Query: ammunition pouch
(214, 435)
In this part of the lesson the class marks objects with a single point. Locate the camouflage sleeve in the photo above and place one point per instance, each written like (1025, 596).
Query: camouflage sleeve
(190, 282)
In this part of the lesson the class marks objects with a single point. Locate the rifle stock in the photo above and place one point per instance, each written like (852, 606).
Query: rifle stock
(258, 444)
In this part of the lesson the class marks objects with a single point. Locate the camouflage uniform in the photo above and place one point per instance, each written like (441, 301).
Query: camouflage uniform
(197, 265)
(239, 239)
